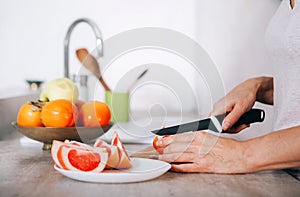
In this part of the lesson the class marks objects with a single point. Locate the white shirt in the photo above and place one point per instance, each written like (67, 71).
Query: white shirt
(283, 43)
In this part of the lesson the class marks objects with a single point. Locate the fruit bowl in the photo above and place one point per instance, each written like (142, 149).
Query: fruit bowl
(48, 134)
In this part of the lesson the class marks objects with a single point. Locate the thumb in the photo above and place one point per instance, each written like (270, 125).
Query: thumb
(232, 117)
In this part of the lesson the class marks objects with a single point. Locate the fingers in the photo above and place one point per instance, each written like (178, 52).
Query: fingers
(177, 157)
(184, 138)
(187, 142)
(180, 147)
(234, 114)
(237, 129)
(189, 147)
(221, 107)
(232, 117)
(186, 167)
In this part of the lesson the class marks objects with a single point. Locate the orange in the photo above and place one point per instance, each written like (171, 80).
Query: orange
(29, 115)
(94, 113)
(59, 113)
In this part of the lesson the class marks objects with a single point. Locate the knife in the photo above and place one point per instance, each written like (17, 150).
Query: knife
(213, 123)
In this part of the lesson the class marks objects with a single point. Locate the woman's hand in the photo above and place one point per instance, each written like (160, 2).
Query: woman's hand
(241, 99)
(203, 152)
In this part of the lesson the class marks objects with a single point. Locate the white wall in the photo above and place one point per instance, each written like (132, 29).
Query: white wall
(32, 33)
(232, 32)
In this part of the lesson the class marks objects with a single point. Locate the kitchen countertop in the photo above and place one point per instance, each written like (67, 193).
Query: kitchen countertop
(26, 170)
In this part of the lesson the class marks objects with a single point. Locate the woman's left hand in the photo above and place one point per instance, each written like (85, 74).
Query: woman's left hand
(203, 152)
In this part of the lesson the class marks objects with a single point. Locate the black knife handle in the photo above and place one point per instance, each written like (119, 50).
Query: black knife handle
(254, 115)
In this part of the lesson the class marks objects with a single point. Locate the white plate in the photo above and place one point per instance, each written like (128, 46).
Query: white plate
(142, 170)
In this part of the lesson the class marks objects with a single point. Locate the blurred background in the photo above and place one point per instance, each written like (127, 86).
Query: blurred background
(231, 32)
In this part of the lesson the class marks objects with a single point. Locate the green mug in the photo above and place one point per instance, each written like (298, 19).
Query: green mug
(118, 103)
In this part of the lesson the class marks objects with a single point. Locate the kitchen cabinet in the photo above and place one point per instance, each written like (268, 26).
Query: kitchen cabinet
(26, 170)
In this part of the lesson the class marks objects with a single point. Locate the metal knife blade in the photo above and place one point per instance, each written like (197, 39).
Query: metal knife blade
(252, 116)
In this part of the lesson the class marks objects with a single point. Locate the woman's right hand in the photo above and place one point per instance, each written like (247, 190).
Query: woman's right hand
(237, 102)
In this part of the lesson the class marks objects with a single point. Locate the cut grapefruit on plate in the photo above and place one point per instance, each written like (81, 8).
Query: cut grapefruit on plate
(142, 170)
(77, 156)
(83, 162)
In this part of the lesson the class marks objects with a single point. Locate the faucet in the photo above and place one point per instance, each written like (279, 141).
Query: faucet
(99, 41)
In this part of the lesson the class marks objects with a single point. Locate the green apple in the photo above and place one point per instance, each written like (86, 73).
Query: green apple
(62, 88)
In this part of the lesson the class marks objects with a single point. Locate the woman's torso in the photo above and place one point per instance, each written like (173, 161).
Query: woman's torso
(283, 43)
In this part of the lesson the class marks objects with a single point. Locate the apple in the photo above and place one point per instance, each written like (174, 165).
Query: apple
(61, 88)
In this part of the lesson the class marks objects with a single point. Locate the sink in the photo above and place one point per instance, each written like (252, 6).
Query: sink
(10, 102)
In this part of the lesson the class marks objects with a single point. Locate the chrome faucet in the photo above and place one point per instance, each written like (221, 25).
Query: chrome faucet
(99, 41)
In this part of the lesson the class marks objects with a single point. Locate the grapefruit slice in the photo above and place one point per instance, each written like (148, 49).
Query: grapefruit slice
(76, 143)
(79, 159)
(100, 143)
(113, 157)
(124, 158)
(124, 162)
(54, 152)
(113, 153)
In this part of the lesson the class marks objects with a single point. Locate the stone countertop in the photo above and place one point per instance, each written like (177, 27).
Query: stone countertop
(27, 170)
